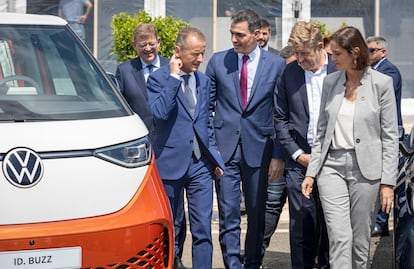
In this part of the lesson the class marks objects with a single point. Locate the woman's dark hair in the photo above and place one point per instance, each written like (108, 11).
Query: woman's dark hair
(349, 38)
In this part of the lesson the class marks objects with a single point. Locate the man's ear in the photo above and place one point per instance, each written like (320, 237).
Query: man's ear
(256, 33)
(177, 51)
(133, 45)
(320, 45)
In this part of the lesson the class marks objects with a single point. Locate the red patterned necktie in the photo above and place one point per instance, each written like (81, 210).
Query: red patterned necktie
(243, 81)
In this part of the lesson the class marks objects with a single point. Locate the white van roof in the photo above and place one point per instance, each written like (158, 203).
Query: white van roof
(30, 19)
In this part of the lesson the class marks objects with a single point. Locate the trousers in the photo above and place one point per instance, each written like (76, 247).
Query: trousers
(349, 202)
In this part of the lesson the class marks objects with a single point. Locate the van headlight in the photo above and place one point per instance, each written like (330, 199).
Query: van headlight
(132, 154)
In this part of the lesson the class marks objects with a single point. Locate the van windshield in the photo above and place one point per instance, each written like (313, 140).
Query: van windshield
(47, 74)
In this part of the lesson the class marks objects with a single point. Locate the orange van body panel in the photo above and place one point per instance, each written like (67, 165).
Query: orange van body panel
(137, 234)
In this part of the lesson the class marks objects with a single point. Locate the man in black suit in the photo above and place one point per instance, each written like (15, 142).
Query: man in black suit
(378, 46)
(296, 114)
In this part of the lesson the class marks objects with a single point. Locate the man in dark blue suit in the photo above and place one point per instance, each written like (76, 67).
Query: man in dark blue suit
(184, 142)
(296, 115)
(132, 75)
(243, 84)
(132, 78)
(378, 55)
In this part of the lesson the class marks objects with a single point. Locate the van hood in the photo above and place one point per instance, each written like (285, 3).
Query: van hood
(70, 187)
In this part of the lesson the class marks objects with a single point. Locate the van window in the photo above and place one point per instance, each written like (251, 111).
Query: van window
(46, 74)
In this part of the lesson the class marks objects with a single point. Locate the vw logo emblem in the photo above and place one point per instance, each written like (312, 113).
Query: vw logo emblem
(23, 167)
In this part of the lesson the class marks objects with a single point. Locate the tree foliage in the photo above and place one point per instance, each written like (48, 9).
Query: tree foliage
(123, 26)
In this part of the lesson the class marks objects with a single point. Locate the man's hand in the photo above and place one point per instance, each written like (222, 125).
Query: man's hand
(387, 197)
(304, 159)
(276, 168)
(175, 65)
(218, 171)
(307, 186)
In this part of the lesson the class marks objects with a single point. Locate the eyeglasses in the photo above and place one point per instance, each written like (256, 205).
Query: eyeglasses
(372, 50)
(144, 45)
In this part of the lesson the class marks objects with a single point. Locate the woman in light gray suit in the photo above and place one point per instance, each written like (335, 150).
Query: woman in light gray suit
(356, 153)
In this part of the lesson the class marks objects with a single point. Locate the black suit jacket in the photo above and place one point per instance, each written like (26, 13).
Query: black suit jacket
(133, 87)
(292, 110)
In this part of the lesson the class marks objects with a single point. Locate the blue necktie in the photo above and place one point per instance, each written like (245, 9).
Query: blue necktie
(150, 68)
(192, 104)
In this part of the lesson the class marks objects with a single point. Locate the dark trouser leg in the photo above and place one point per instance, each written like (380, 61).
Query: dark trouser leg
(276, 198)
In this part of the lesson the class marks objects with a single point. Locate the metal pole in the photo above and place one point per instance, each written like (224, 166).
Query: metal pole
(377, 17)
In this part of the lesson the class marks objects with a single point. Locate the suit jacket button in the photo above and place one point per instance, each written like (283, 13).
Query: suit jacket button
(357, 140)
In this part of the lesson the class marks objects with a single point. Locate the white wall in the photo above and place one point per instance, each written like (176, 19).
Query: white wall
(18, 6)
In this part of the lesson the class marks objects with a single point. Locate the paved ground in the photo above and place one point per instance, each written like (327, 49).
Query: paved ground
(278, 255)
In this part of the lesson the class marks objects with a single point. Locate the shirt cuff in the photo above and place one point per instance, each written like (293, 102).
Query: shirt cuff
(296, 154)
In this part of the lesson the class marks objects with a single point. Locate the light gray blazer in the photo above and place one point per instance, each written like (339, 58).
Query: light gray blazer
(375, 125)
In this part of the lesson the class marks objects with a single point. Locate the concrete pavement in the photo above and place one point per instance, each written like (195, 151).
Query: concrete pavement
(278, 254)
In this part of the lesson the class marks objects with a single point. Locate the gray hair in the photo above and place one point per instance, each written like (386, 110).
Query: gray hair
(379, 40)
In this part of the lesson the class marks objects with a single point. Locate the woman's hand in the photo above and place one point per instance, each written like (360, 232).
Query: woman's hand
(387, 197)
(307, 186)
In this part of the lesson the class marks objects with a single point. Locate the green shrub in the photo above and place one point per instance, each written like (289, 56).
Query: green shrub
(324, 28)
(123, 26)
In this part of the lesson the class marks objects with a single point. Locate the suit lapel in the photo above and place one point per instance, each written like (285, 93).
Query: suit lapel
(137, 72)
(257, 76)
(234, 61)
(199, 92)
(335, 99)
(304, 95)
(362, 98)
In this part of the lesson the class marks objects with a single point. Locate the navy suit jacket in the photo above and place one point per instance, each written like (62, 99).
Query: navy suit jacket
(254, 125)
(174, 126)
(387, 68)
(292, 110)
(132, 84)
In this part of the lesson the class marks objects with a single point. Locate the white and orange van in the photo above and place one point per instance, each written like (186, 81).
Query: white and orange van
(78, 183)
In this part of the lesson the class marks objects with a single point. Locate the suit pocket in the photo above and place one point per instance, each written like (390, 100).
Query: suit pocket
(267, 131)
(218, 124)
